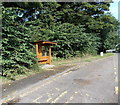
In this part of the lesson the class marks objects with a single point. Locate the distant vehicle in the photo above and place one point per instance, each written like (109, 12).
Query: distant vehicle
(111, 51)
(117, 47)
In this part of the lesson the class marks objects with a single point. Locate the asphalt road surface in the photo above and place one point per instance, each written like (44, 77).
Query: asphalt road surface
(96, 82)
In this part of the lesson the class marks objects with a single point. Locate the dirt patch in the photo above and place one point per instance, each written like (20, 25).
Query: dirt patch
(62, 67)
(81, 82)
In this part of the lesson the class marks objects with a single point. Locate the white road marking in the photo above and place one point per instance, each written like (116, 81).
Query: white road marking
(116, 90)
(76, 92)
(116, 79)
(71, 98)
(62, 94)
(57, 89)
(4, 89)
(49, 95)
(87, 95)
(36, 100)
(49, 99)
(115, 73)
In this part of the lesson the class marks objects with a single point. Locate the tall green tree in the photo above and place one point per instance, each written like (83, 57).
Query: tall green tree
(16, 47)
(92, 16)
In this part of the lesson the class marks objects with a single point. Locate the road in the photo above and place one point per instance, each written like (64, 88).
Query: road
(96, 82)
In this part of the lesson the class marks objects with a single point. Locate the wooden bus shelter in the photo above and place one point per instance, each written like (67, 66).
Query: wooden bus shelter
(43, 51)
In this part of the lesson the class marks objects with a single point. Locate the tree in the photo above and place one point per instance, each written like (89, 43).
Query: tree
(16, 46)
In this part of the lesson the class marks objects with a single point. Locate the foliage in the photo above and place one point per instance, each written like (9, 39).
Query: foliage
(90, 15)
(111, 41)
(72, 40)
(16, 47)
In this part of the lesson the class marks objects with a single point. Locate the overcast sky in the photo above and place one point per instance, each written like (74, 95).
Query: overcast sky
(114, 8)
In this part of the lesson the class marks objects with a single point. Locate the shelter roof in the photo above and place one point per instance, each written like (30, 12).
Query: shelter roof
(44, 42)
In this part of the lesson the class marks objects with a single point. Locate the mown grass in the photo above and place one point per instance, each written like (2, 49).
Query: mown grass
(87, 58)
(91, 58)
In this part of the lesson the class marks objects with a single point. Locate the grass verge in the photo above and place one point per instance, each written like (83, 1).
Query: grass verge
(87, 58)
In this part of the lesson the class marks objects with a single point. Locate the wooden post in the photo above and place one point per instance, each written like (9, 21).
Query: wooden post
(45, 51)
(40, 50)
(49, 55)
(37, 53)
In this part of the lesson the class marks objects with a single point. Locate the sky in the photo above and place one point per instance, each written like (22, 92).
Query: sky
(114, 8)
